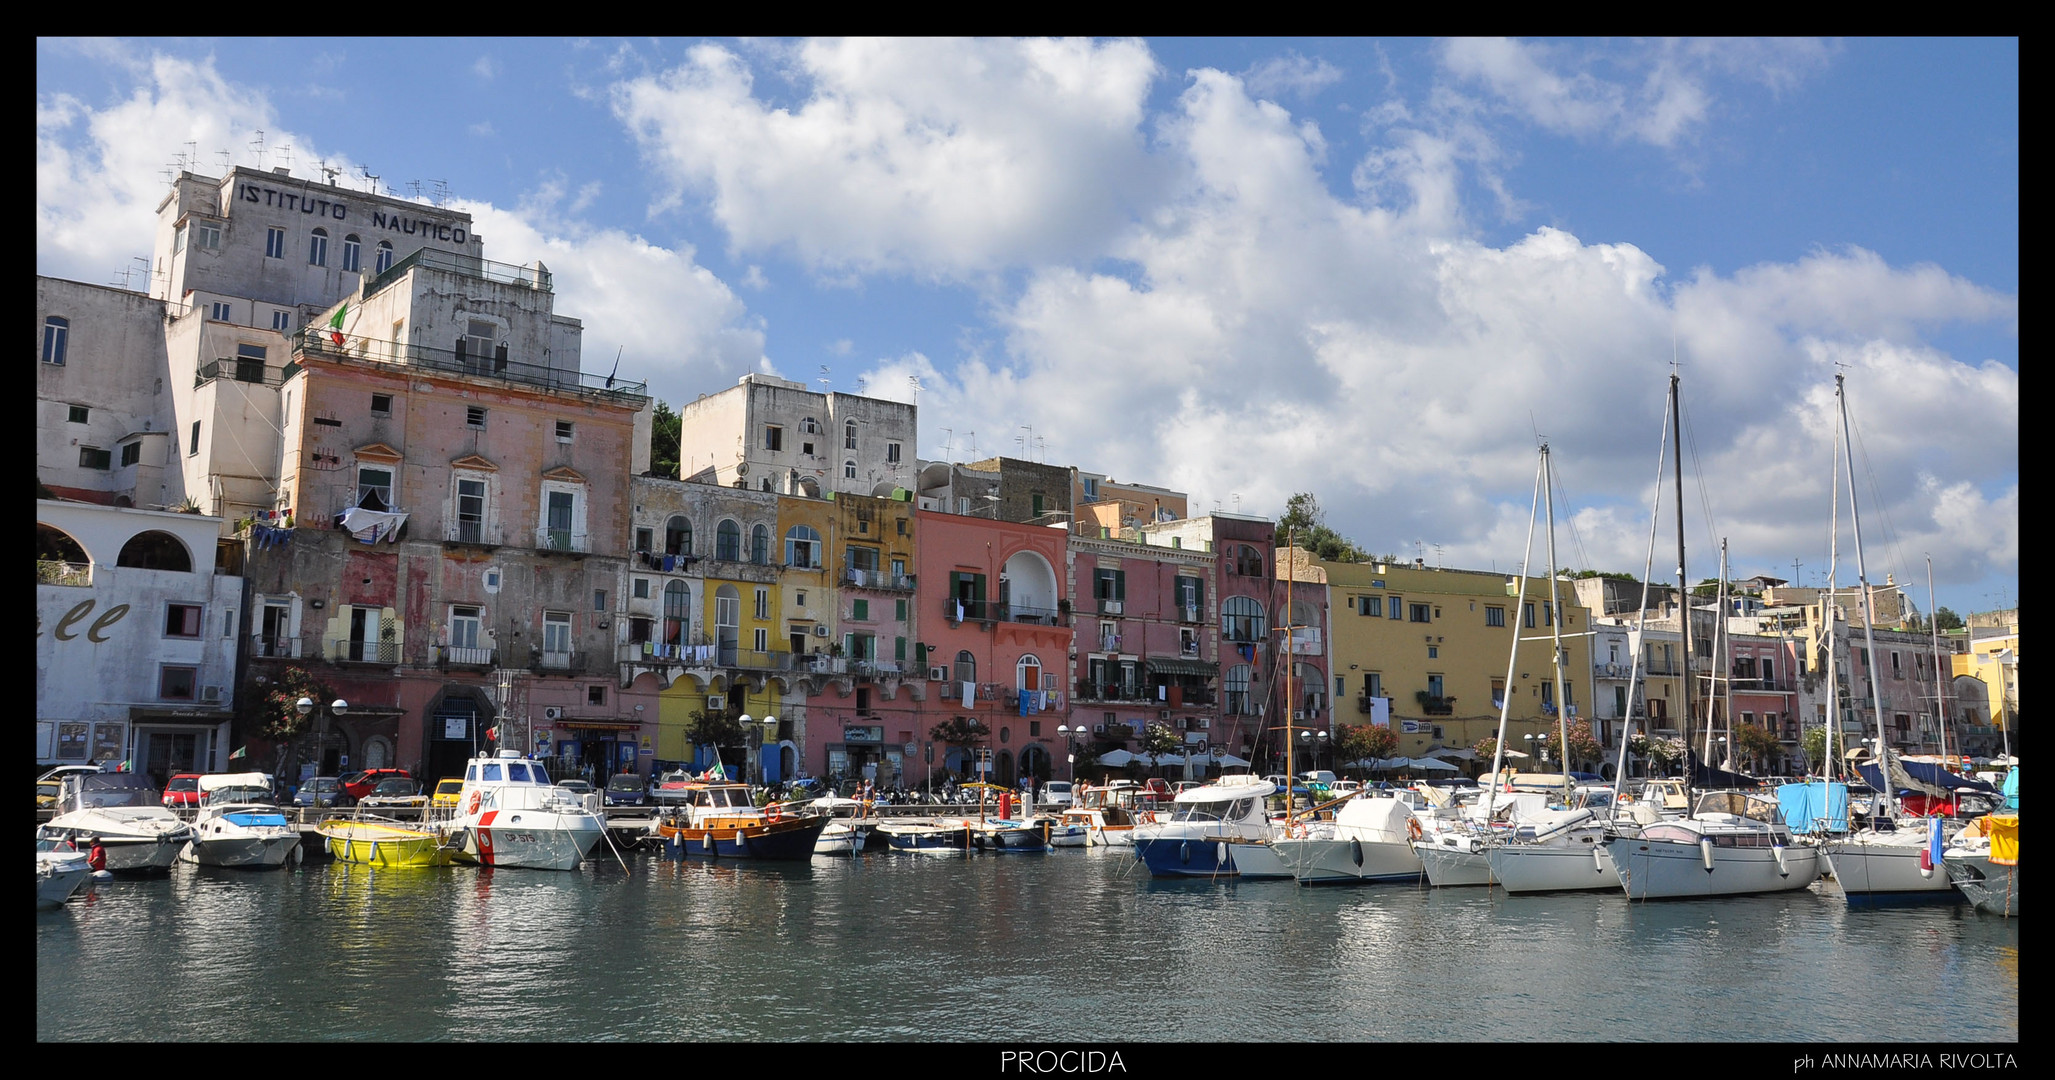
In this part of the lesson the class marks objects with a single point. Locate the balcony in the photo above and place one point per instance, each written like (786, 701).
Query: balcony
(547, 539)
(448, 656)
(957, 611)
(274, 647)
(1435, 706)
(876, 579)
(1021, 613)
(471, 532)
(364, 652)
(1368, 704)
(876, 669)
(546, 662)
(314, 344)
(1189, 613)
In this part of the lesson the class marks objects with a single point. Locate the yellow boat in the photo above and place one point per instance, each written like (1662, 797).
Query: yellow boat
(372, 843)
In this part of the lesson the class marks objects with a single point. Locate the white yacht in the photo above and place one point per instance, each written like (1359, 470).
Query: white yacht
(1890, 862)
(125, 812)
(1219, 830)
(510, 814)
(1734, 844)
(58, 874)
(240, 824)
(1369, 840)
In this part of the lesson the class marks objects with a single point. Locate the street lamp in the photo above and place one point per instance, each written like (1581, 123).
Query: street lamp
(337, 707)
(1537, 747)
(1070, 734)
(1314, 741)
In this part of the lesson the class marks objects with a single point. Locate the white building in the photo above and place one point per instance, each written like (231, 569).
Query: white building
(135, 639)
(103, 418)
(771, 434)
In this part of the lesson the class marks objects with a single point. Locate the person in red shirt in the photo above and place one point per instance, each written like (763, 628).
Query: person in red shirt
(98, 858)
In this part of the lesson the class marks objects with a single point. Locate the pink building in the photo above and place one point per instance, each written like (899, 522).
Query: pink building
(995, 636)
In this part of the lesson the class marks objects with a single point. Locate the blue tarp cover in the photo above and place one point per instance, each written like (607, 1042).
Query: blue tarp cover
(2012, 789)
(1925, 772)
(1814, 807)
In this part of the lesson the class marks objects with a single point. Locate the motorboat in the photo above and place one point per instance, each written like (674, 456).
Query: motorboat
(1735, 843)
(1110, 812)
(1369, 840)
(1983, 863)
(125, 812)
(1218, 830)
(509, 814)
(930, 837)
(1058, 831)
(59, 874)
(848, 830)
(240, 824)
(717, 819)
(384, 844)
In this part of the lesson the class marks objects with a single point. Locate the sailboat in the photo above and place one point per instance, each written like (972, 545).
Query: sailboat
(1558, 849)
(1733, 843)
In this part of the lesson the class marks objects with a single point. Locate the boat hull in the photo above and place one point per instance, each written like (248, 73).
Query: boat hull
(841, 838)
(143, 846)
(1888, 872)
(1452, 867)
(1535, 868)
(1210, 857)
(1671, 870)
(791, 838)
(1349, 862)
(243, 852)
(384, 847)
(59, 875)
(1991, 888)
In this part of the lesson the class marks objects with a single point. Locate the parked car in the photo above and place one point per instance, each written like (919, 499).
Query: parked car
(575, 787)
(395, 792)
(356, 785)
(1056, 793)
(670, 790)
(182, 790)
(626, 790)
(319, 791)
(47, 793)
(446, 792)
(62, 771)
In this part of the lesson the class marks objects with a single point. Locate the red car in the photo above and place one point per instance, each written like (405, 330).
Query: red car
(357, 785)
(182, 790)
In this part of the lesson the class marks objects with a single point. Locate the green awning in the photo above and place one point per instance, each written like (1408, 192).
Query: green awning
(1183, 667)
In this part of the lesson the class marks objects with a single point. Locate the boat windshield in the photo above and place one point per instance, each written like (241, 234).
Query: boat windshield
(1197, 811)
(492, 771)
(535, 770)
(517, 772)
(117, 789)
(241, 795)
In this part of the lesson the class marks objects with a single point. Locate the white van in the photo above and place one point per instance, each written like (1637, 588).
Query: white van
(1056, 793)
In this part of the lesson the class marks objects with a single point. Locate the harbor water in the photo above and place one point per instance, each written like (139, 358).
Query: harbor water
(1067, 946)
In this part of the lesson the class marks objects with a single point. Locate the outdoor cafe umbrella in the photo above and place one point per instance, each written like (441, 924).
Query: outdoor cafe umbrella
(1433, 763)
(1116, 758)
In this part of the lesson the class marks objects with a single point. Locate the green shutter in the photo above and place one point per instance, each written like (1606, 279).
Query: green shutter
(898, 648)
(899, 610)
(863, 609)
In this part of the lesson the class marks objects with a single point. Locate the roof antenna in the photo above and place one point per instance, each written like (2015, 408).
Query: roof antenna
(823, 380)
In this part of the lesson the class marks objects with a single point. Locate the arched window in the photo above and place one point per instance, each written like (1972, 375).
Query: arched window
(384, 256)
(677, 613)
(1235, 687)
(849, 469)
(802, 547)
(155, 551)
(678, 535)
(317, 248)
(56, 334)
(728, 541)
(1027, 673)
(1241, 619)
(966, 667)
(849, 435)
(1248, 562)
(353, 253)
(760, 544)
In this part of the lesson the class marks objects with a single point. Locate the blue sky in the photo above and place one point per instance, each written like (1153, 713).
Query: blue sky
(1241, 268)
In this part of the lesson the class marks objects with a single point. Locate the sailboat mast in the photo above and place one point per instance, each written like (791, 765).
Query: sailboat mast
(1683, 583)
(1869, 637)
(1555, 623)
(1505, 701)
(1934, 634)
(1291, 571)
(1829, 608)
(1717, 675)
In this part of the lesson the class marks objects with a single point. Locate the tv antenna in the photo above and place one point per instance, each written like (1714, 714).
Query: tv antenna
(948, 444)
(913, 383)
(257, 147)
(824, 380)
(369, 176)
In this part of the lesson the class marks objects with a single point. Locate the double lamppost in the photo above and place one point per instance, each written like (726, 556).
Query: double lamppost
(1070, 735)
(1314, 741)
(336, 708)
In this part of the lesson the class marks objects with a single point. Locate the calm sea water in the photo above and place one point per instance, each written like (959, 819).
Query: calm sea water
(1067, 946)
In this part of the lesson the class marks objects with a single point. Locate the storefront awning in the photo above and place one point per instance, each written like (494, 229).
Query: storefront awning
(1184, 667)
(595, 725)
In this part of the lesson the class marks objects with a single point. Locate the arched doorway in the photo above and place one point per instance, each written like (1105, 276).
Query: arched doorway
(1035, 762)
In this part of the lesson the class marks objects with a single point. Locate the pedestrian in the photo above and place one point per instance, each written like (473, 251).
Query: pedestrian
(97, 860)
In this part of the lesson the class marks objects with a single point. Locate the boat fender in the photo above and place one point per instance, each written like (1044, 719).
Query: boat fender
(1356, 851)
(1413, 828)
(1598, 858)
(1705, 847)
(1782, 869)
(1184, 852)
(1220, 854)
(706, 840)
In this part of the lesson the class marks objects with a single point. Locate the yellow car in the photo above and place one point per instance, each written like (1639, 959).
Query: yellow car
(446, 793)
(47, 792)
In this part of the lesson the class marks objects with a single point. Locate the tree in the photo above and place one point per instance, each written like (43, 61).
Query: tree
(1945, 619)
(1363, 743)
(665, 435)
(1759, 744)
(717, 730)
(964, 731)
(1584, 747)
(1158, 740)
(1304, 520)
(1815, 745)
(273, 714)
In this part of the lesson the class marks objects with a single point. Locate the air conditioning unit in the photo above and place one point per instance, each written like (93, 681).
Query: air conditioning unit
(1098, 729)
(820, 630)
(210, 693)
(1203, 723)
(1298, 714)
(1163, 714)
(948, 690)
(939, 673)
(553, 712)
(716, 702)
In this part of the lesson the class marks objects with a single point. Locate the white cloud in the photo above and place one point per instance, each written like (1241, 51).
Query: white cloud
(1292, 75)
(485, 67)
(922, 156)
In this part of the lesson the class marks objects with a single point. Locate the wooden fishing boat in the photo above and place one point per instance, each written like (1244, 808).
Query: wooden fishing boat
(719, 821)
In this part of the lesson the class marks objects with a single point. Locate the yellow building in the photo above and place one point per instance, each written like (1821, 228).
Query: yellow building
(1428, 647)
(1994, 661)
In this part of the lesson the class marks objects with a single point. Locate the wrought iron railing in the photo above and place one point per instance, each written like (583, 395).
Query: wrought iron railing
(364, 652)
(449, 656)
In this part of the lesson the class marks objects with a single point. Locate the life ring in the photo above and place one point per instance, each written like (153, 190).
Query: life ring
(477, 800)
(776, 814)
(1413, 828)
(1297, 830)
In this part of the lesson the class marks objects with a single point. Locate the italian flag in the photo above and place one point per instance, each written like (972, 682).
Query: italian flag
(335, 325)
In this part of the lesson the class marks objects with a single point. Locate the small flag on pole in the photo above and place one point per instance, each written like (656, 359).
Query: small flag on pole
(335, 325)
